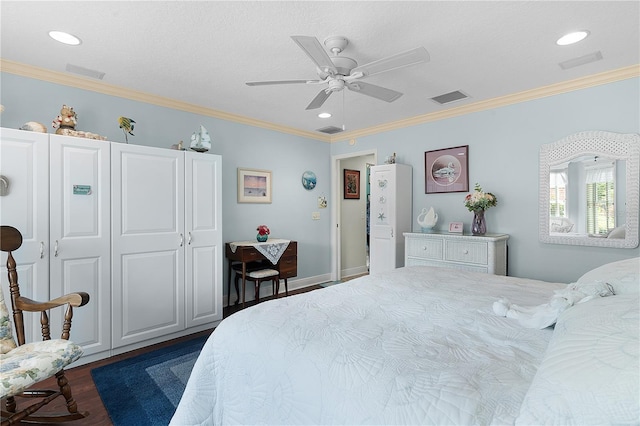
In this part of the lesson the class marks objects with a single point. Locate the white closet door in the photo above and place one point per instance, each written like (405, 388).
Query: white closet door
(204, 248)
(24, 162)
(80, 236)
(147, 242)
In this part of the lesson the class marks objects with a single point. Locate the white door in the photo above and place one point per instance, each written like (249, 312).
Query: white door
(80, 249)
(24, 165)
(148, 241)
(204, 250)
(383, 234)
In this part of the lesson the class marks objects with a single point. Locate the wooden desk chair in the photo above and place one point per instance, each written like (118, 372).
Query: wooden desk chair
(258, 276)
(24, 364)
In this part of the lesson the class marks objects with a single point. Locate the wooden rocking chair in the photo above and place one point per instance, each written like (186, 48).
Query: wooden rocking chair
(24, 364)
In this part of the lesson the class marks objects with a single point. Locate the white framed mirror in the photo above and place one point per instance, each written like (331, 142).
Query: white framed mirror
(589, 190)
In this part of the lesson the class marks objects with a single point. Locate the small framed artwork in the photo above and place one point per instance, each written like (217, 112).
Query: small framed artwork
(446, 170)
(456, 227)
(254, 186)
(351, 184)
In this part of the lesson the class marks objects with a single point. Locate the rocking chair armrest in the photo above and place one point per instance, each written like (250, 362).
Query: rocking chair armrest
(74, 299)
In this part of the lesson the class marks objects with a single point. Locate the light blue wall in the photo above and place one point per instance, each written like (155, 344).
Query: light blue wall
(287, 156)
(503, 157)
(503, 150)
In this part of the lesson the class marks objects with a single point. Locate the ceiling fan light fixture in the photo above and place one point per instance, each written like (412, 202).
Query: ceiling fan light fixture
(65, 38)
(572, 38)
(324, 115)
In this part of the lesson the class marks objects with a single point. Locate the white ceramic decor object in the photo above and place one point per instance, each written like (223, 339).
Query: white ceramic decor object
(427, 219)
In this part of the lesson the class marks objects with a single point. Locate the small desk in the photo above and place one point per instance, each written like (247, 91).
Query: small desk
(246, 252)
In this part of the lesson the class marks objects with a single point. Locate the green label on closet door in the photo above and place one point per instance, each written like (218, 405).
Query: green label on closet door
(81, 189)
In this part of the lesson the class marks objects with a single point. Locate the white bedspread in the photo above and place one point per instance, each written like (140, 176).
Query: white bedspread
(417, 345)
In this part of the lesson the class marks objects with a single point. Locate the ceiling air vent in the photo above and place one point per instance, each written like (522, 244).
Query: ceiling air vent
(330, 130)
(576, 62)
(85, 71)
(449, 97)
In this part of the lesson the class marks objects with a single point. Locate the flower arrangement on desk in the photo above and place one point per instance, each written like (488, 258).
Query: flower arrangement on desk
(477, 202)
(263, 233)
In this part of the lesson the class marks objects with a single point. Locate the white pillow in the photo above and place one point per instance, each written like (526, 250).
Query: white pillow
(590, 374)
(623, 275)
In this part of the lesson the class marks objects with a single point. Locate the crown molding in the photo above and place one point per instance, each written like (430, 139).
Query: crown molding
(113, 90)
(632, 71)
(80, 82)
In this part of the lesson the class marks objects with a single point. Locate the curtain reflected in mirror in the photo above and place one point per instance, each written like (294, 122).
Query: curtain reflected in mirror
(589, 190)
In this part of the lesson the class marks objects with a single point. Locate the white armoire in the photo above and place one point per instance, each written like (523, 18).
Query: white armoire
(390, 215)
(138, 228)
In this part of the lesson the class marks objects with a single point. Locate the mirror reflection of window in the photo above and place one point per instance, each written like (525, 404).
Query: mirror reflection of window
(600, 197)
(558, 193)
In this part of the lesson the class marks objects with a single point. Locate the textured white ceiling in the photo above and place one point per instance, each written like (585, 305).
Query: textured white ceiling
(202, 52)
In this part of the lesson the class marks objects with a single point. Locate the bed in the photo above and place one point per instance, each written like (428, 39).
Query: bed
(422, 345)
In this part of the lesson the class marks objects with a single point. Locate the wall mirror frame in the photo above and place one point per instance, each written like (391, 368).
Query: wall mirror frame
(614, 146)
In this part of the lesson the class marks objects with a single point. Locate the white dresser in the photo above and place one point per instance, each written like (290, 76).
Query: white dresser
(487, 253)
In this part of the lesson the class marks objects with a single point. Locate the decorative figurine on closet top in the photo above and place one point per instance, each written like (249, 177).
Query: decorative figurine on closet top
(65, 124)
(201, 141)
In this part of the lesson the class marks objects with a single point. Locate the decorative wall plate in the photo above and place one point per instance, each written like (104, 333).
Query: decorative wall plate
(309, 180)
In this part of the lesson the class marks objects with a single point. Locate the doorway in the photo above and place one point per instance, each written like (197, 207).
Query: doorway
(348, 240)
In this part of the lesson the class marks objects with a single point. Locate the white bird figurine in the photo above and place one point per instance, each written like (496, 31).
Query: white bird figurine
(427, 219)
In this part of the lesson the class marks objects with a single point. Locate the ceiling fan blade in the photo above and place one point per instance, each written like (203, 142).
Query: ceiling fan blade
(411, 57)
(319, 99)
(316, 52)
(374, 91)
(266, 83)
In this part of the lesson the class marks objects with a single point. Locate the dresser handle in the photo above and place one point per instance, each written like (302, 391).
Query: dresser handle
(424, 248)
(465, 251)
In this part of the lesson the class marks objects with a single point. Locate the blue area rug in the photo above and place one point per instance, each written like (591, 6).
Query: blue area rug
(146, 389)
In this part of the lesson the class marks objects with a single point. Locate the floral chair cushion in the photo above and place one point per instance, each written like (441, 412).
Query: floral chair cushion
(34, 362)
(7, 342)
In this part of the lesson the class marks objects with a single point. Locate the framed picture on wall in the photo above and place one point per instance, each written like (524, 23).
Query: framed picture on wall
(446, 170)
(254, 186)
(351, 184)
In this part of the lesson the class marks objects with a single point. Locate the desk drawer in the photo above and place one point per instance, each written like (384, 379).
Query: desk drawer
(425, 248)
(467, 251)
(292, 249)
(288, 266)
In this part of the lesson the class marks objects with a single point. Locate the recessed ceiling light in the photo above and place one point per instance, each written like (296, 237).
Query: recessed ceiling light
(571, 38)
(324, 115)
(65, 38)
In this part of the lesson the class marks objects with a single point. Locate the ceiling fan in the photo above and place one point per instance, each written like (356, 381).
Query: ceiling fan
(338, 72)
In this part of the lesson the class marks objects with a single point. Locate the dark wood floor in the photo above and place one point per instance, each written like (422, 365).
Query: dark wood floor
(85, 392)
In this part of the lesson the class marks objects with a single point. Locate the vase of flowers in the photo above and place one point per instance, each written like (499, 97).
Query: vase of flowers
(263, 233)
(477, 202)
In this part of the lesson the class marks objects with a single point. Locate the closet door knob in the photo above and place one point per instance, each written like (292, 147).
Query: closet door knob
(41, 249)
(189, 238)
(181, 240)
(55, 249)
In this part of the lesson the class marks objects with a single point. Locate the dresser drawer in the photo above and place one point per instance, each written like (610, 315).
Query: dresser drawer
(425, 248)
(467, 252)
